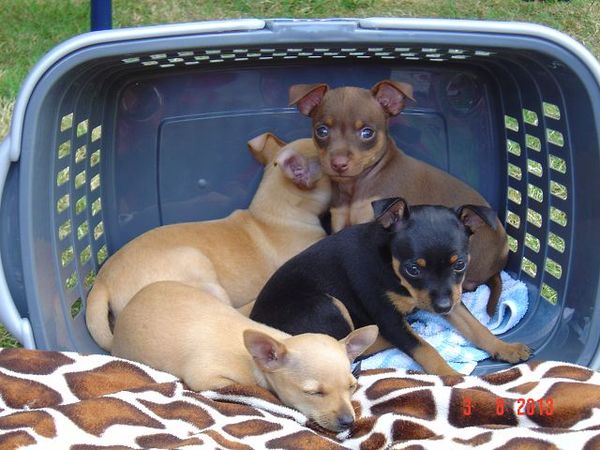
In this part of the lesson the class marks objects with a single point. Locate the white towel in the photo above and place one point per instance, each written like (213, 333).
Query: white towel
(460, 354)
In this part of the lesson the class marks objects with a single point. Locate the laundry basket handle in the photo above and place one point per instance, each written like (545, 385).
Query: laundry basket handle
(18, 326)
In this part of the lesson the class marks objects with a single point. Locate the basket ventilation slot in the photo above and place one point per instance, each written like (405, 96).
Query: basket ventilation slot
(80, 228)
(535, 162)
(215, 56)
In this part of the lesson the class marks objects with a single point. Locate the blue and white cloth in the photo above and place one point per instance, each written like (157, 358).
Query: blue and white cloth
(460, 354)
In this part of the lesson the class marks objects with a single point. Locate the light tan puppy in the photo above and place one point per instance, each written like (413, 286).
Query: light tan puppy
(208, 344)
(230, 258)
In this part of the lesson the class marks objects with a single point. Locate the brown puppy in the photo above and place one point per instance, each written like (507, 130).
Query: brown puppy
(191, 334)
(230, 258)
(350, 128)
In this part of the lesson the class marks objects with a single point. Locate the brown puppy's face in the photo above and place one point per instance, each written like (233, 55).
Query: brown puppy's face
(312, 373)
(349, 123)
(350, 131)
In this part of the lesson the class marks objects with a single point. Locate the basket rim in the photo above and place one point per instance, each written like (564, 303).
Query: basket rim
(81, 41)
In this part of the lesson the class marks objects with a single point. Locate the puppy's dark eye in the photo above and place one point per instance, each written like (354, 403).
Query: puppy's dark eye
(367, 133)
(460, 266)
(412, 270)
(322, 132)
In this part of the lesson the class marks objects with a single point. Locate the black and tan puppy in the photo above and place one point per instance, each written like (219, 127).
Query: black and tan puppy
(377, 273)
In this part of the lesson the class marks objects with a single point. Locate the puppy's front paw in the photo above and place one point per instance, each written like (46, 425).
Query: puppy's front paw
(513, 353)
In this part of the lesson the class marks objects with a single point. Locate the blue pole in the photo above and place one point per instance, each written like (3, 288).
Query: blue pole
(101, 15)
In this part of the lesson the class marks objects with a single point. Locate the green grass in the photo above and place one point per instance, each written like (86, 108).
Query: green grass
(6, 339)
(32, 27)
(29, 29)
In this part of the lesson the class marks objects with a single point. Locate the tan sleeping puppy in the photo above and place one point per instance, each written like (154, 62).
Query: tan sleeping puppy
(208, 344)
(231, 258)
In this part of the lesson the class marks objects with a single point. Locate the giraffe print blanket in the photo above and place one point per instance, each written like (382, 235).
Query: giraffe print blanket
(66, 400)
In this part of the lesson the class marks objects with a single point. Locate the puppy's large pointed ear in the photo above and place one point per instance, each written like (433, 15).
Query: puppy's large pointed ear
(307, 97)
(392, 95)
(265, 147)
(474, 216)
(360, 340)
(301, 170)
(269, 354)
(389, 211)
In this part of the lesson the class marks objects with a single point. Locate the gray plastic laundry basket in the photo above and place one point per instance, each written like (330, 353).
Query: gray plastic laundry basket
(116, 132)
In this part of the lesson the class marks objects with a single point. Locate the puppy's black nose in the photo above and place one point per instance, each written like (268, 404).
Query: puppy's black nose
(345, 421)
(442, 305)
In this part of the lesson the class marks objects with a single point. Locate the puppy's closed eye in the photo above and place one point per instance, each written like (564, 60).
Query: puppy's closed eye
(315, 393)
(312, 387)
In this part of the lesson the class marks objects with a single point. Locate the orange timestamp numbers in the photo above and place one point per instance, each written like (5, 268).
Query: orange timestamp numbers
(524, 406)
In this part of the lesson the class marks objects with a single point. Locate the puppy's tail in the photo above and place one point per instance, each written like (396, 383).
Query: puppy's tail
(495, 285)
(96, 315)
